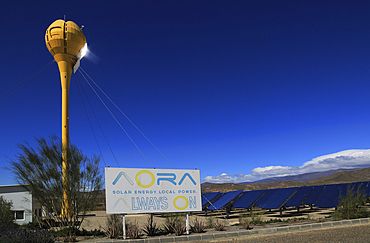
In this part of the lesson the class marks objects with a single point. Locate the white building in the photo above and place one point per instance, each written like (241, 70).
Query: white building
(24, 207)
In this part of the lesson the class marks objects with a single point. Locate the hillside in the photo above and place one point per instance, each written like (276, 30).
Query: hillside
(343, 177)
(338, 177)
(223, 187)
(296, 178)
(205, 185)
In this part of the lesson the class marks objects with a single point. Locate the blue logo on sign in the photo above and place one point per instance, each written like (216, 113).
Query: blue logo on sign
(169, 177)
(119, 176)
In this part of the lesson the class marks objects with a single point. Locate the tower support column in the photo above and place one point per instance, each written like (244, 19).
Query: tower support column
(65, 69)
(65, 40)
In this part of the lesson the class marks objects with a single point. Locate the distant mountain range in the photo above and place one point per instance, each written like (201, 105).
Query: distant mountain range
(314, 178)
(298, 178)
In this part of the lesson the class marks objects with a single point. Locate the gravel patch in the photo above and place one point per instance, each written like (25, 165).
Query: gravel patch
(345, 234)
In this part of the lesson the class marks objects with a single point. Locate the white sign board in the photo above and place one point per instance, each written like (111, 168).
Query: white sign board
(152, 190)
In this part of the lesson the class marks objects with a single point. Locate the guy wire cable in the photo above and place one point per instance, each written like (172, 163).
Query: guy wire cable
(101, 129)
(88, 118)
(116, 120)
(29, 78)
(127, 117)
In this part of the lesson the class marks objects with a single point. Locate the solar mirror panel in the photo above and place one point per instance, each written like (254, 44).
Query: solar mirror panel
(211, 202)
(298, 197)
(367, 188)
(329, 196)
(361, 186)
(343, 189)
(355, 186)
(314, 195)
(221, 194)
(264, 197)
(247, 199)
(277, 198)
(206, 198)
(225, 199)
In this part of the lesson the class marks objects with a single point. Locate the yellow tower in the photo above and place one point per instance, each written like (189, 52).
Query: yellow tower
(64, 40)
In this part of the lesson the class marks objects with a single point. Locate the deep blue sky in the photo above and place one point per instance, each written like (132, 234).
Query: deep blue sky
(221, 86)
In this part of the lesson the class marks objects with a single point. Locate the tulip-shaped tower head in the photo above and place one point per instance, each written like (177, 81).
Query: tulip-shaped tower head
(64, 40)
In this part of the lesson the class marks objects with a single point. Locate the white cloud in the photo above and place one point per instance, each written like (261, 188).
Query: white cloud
(346, 159)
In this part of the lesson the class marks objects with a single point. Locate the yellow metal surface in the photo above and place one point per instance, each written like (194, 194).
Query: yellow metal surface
(64, 41)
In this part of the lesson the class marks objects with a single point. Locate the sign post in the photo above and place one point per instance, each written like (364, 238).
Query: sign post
(187, 223)
(124, 226)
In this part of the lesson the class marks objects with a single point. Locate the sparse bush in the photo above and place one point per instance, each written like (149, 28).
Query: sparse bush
(114, 226)
(70, 238)
(210, 222)
(20, 235)
(351, 205)
(168, 226)
(179, 227)
(244, 222)
(257, 217)
(197, 226)
(94, 232)
(295, 219)
(65, 232)
(6, 215)
(172, 222)
(270, 221)
(37, 224)
(40, 170)
(150, 228)
(132, 230)
(219, 226)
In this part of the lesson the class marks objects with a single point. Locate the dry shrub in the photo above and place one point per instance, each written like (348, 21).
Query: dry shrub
(174, 224)
(150, 228)
(197, 226)
(132, 230)
(210, 222)
(114, 226)
(244, 222)
(219, 226)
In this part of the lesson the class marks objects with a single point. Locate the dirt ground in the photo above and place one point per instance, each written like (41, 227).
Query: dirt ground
(97, 219)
